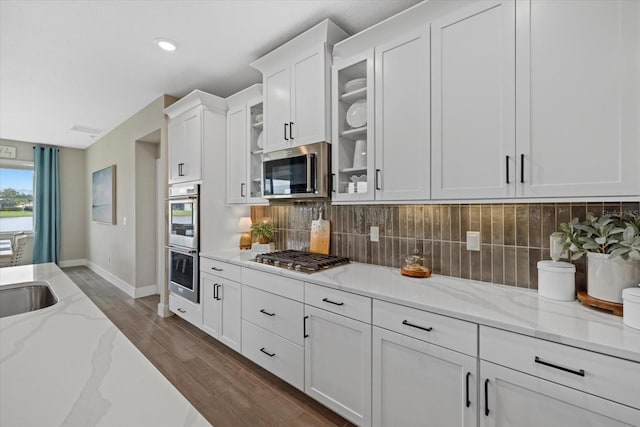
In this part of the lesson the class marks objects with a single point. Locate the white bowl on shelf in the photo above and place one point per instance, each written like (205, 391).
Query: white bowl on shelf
(357, 114)
(258, 118)
(355, 84)
(259, 141)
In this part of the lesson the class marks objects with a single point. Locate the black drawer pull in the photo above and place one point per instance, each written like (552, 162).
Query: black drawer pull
(285, 132)
(507, 169)
(263, 311)
(181, 310)
(467, 381)
(332, 302)
(486, 397)
(304, 327)
(522, 168)
(216, 269)
(579, 372)
(267, 353)
(406, 322)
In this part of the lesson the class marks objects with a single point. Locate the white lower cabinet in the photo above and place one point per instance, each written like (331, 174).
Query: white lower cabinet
(511, 398)
(338, 364)
(416, 383)
(188, 310)
(221, 317)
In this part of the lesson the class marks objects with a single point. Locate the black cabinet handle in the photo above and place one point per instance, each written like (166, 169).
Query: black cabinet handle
(216, 269)
(579, 372)
(406, 322)
(180, 172)
(333, 183)
(290, 130)
(242, 189)
(285, 132)
(486, 397)
(304, 327)
(216, 292)
(332, 302)
(267, 353)
(181, 310)
(378, 179)
(507, 162)
(263, 311)
(522, 168)
(467, 381)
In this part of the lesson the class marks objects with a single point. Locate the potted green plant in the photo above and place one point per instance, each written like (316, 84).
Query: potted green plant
(612, 246)
(263, 231)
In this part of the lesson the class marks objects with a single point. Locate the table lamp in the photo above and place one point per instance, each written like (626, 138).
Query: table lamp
(244, 227)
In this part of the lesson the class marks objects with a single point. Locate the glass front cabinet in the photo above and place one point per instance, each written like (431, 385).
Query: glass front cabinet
(353, 174)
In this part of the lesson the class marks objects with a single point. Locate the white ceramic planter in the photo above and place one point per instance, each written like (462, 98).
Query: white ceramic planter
(607, 277)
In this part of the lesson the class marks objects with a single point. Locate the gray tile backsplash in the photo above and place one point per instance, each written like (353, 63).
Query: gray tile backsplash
(514, 237)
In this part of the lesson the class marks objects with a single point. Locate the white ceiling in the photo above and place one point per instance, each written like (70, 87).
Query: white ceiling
(95, 63)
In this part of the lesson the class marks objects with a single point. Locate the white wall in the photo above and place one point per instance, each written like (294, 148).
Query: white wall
(146, 154)
(111, 249)
(72, 195)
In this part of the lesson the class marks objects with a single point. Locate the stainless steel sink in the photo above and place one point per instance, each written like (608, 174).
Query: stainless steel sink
(23, 297)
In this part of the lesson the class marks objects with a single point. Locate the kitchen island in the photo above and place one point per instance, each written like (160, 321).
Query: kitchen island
(68, 365)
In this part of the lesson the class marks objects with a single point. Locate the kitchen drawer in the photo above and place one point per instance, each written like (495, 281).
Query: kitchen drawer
(279, 285)
(277, 355)
(594, 373)
(274, 313)
(441, 330)
(221, 269)
(340, 302)
(189, 311)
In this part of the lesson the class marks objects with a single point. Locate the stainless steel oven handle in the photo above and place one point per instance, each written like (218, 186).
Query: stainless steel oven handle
(310, 188)
(181, 251)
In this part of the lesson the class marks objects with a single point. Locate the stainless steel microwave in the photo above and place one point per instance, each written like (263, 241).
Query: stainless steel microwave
(298, 172)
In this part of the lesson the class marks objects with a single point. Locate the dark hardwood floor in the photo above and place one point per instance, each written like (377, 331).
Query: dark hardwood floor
(226, 388)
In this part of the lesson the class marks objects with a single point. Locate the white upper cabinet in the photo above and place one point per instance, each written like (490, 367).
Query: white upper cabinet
(237, 155)
(473, 102)
(402, 118)
(244, 146)
(578, 98)
(187, 133)
(296, 88)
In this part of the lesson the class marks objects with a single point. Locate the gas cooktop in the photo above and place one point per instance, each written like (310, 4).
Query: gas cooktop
(306, 262)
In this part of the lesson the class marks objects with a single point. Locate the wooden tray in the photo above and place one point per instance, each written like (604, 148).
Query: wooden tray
(414, 273)
(589, 301)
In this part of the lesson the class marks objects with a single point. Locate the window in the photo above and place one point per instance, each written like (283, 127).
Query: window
(16, 197)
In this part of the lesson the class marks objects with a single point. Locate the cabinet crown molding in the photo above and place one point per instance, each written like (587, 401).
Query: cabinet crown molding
(244, 96)
(326, 31)
(195, 99)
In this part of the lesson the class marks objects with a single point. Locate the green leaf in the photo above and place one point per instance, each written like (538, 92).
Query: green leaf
(577, 256)
(601, 240)
(628, 234)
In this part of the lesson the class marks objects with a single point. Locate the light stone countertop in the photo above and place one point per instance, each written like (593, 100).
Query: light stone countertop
(505, 307)
(68, 365)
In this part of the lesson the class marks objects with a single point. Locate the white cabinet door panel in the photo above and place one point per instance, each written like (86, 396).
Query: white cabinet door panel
(402, 137)
(237, 155)
(193, 136)
(277, 104)
(414, 381)
(473, 102)
(578, 97)
(211, 308)
(176, 149)
(517, 399)
(308, 103)
(338, 364)
(230, 297)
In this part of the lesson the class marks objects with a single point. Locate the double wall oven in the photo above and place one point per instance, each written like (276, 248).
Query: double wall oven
(184, 241)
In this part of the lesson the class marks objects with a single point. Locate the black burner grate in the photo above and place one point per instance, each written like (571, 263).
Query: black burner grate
(301, 261)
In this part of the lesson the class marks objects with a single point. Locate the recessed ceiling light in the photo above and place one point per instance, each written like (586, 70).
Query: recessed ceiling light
(166, 44)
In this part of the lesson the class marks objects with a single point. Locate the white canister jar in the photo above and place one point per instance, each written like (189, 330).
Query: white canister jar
(631, 308)
(557, 280)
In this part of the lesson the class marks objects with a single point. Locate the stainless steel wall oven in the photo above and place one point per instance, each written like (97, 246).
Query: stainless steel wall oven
(184, 241)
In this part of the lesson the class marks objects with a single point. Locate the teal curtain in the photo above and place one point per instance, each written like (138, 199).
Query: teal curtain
(46, 183)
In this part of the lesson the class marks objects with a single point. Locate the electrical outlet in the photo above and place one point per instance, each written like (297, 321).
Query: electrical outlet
(374, 233)
(473, 240)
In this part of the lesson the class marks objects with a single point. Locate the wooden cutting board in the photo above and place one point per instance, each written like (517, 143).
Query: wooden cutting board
(320, 235)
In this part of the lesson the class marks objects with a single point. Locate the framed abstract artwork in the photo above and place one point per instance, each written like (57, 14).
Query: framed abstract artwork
(103, 195)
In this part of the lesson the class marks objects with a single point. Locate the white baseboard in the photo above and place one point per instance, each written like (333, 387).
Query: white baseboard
(115, 280)
(145, 291)
(163, 310)
(73, 262)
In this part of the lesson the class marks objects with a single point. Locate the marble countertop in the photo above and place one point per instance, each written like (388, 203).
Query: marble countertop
(68, 365)
(505, 307)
